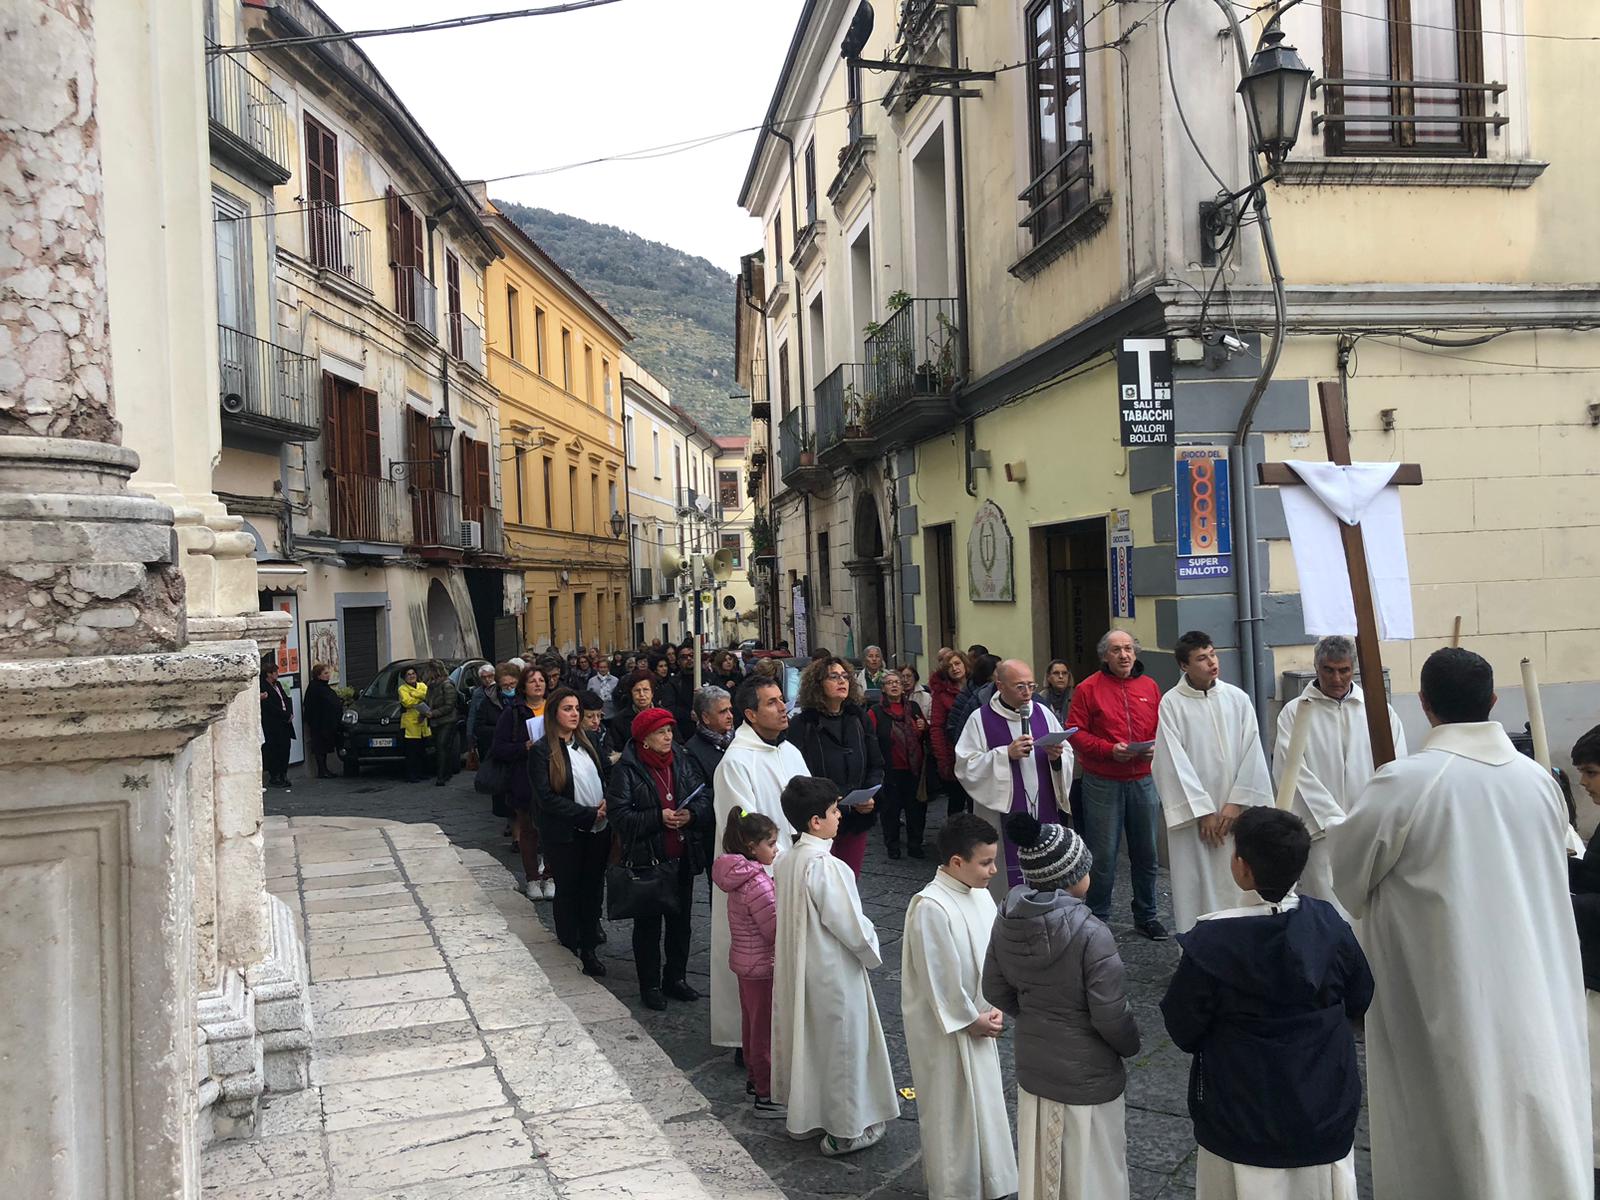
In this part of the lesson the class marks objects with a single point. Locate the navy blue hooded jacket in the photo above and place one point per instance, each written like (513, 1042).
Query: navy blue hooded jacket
(1264, 1004)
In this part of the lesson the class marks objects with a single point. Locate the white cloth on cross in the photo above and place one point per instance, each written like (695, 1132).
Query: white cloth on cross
(1357, 494)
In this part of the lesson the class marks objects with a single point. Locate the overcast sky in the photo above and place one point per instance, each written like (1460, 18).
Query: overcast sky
(523, 95)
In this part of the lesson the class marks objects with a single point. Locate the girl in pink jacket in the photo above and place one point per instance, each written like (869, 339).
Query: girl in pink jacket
(751, 843)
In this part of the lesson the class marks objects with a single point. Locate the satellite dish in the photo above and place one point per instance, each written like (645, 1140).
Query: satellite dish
(671, 563)
(855, 38)
(722, 565)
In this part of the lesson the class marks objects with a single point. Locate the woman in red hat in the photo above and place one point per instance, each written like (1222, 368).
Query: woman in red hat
(659, 801)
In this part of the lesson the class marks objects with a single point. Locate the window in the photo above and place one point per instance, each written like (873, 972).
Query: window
(811, 183)
(452, 300)
(677, 474)
(783, 381)
(777, 244)
(605, 383)
(595, 519)
(728, 491)
(1393, 43)
(824, 572)
(734, 542)
(555, 618)
(577, 618)
(230, 219)
(521, 482)
(322, 196)
(588, 374)
(572, 495)
(627, 438)
(611, 497)
(566, 359)
(1057, 134)
(513, 324)
(538, 339)
(655, 451)
(413, 293)
(549, 493)
(476, 491)
(352, 452)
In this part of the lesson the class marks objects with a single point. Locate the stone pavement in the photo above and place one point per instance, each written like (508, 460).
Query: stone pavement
(1160, 1139)
(447, 1062)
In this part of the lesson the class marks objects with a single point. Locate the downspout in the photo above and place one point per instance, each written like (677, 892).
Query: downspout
(1247, 596)
(772, 583)
(962, 339)
(800, 350)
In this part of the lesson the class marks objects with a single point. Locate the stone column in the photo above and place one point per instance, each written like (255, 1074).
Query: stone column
(102, 706)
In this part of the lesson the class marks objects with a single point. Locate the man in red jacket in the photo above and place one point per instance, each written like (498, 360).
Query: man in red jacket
(1115, 711)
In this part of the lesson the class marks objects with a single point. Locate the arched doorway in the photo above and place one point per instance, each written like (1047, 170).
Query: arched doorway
(868, 570)
(445, 638)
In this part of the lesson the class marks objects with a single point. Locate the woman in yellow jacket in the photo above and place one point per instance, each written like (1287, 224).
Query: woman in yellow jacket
(414, 714)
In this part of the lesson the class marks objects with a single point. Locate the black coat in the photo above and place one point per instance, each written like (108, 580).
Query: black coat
(558, 813)
(843, 749)
(1264, 1004)
(277, 712)
(487, 718)
(708, 756)
(324, 716)
(635, 809)
(1583, 877)
(510, 746)
(621, 725)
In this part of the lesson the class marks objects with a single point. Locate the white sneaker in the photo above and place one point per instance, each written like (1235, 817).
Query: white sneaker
(547, 889)
(833, 1147)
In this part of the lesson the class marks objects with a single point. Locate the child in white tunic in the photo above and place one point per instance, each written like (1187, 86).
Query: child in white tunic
(1263, 998)
(830, 1062)
(1054, 966)
(950, 1028)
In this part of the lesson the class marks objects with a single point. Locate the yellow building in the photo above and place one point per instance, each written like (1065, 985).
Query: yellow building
(735, 510)
(553, 353)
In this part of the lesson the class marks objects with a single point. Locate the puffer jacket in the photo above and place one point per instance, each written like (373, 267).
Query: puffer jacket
(413, 721)
(1054, 967)
(944, 693)
(752, 914)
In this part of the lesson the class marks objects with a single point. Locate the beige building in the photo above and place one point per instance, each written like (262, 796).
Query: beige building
(360, 432)
(955, 260)
(737, 615)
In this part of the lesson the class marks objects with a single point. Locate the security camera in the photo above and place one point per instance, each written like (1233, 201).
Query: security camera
(1216, 337)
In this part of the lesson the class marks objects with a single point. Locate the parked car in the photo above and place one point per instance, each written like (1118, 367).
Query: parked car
(372, 720)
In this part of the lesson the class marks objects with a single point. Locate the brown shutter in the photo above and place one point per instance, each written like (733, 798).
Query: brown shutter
(333, 448)
(481, 471)
(371, 440)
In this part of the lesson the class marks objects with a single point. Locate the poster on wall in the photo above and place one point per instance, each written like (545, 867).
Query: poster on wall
(288, 656)
(1121, 548)
(322, 646)
(1204, 510)
(1144, 391)
(802, 644)
(989, 557)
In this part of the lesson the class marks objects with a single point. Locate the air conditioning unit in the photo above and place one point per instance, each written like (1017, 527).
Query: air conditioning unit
(471, 535)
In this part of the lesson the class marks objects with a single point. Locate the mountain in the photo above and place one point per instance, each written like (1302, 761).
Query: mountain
(679, 308)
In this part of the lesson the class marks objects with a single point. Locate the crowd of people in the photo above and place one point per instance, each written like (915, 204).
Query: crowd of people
(1445, 900)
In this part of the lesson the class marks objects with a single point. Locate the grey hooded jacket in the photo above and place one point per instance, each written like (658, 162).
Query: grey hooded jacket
(1054, 968)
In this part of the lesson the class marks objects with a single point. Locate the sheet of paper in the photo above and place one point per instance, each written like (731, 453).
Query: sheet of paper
(859, 797)
(1141, 747)
(1058, 738)
(535, 728)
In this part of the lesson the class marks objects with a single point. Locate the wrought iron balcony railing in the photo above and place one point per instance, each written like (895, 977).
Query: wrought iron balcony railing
(844, 404)
(264, 385)
(491, 529)
(365, 508)
(794, 440)
(1059, 192)
(916, 352)
(435, 518)
(337, 242)
(246, 111)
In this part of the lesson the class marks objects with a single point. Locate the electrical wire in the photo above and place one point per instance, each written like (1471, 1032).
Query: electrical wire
(1257, 9)
(1177, 103)
(350, 35)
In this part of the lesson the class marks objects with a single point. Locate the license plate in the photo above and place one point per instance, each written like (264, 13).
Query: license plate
(381, 743)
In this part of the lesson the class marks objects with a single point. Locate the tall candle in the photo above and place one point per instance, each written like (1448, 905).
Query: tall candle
(1295, 756)
(1530, 690)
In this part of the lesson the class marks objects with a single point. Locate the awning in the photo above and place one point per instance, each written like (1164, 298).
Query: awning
(281, 576)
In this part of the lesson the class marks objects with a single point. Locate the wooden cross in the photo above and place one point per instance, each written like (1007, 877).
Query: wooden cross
(1337, 436)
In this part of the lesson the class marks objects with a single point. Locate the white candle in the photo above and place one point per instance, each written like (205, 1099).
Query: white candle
(1530, 690)
(1295, 756)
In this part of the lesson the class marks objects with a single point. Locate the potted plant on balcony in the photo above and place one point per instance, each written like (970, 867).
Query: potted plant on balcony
(808, 450)
(937, 372)
(761, 535)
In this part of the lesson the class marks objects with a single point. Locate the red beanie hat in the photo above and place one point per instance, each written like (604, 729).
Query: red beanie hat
(650, 720)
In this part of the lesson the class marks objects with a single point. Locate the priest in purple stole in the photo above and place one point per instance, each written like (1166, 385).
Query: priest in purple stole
(1004, 770)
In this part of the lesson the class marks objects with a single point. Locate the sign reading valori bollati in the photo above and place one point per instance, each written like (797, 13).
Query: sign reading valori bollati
(989, 557)
(1144, 390)
(1205, 518)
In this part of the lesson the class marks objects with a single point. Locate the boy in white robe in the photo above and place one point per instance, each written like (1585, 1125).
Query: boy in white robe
(1208, 769)
(1583, 874)
(830, 1062)
(1263, 998)
(751, 776)
(950, 1028)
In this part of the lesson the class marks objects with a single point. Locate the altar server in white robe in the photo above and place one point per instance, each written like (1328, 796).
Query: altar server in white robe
(1454, 861)
(1004, 771)
(950, 1028)
(751, 776)
(830, 1063)
(1338, 761)
(1208, 769)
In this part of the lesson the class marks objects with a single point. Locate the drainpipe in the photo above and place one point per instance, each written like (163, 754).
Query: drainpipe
(772, 446)
(961, 199)
(800, 350)
(1247, 596)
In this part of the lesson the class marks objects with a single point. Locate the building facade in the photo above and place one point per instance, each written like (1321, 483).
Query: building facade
(359, 426)
(737, 616)
(955, 259)
(555, 356)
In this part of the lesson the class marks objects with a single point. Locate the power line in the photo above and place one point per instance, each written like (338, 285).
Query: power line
(1257, 9)
(350, 35)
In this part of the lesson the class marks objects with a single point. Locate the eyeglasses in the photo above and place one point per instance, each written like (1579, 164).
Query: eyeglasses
(1020, 686)
(836, 677)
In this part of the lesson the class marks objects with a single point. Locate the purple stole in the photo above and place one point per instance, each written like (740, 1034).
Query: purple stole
(998, 732)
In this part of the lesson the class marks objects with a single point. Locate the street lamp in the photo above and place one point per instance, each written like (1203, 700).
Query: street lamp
(617, 522)
(441, 430)
(1274, 91)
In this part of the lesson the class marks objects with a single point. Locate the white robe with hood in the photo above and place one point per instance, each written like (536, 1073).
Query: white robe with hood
(1454, 861)
(1208, 754)
(752, 776)
(1337, 767)
(961, 1099)
(830, 1062)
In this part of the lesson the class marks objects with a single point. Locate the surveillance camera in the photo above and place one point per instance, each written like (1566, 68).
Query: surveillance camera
(1216, 337)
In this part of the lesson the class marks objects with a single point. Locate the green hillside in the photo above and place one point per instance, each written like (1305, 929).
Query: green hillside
(678, 307)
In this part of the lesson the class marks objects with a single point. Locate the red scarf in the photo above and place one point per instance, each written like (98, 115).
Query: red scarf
(658, 766)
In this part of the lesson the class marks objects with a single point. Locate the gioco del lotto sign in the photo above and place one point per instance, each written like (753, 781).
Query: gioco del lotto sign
(989, 557)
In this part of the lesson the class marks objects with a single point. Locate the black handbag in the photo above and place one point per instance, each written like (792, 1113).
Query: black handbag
(634, 891)
(493, 777)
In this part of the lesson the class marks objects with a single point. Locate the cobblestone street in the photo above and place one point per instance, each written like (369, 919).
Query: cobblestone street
(1160, 1143)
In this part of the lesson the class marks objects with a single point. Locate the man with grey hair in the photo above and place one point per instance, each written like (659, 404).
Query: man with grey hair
(1338, 762)
(713, 731)
(1115, 712)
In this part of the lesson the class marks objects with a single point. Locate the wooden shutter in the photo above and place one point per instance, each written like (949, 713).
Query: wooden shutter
(480, 470)
(322, 164)
(371, 462)
(470, 498)
(333, 444)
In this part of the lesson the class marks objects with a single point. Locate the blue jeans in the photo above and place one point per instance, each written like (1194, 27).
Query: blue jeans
(1109, 807)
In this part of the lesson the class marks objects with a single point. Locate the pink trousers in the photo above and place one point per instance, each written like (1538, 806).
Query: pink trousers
(755, 1015)
(851, 849)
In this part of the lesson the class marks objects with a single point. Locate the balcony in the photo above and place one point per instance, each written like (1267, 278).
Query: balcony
(844, 408)
(436, 523)
(914, 364)
(807, 244)
(760, 401)
(1061, 210)
(491, 530)
(852, 160)
(265, 389)
(797, 454)
(364, 511)
(692, 504)
(643, 584)
(339, 244)
(416, 299)
(466, 341)
(249, 121)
